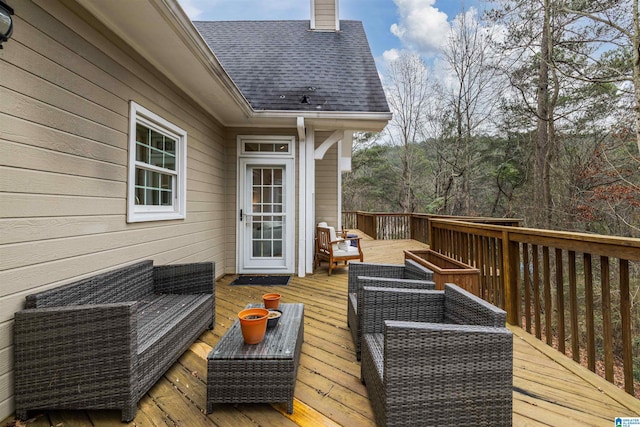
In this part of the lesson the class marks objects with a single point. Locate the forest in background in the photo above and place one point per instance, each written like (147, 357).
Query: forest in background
(531, 110)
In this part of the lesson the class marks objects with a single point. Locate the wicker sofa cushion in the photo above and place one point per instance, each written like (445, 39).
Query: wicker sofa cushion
(162, 323)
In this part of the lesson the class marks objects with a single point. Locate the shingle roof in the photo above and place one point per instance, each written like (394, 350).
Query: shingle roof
(282, 65)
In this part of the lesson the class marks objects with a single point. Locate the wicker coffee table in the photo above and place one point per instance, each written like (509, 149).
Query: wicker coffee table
(264, 372)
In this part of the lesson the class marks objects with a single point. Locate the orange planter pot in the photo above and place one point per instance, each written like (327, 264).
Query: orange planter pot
(253, 323)
(271, 300)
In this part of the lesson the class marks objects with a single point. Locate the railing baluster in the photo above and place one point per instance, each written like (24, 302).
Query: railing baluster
(625, 314)
(560, 301)
(527, 290)
(536, 290)
(607, 327)
(548, 310)
(573, 307)
(588, 308)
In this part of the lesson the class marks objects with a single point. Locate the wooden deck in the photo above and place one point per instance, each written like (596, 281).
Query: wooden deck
(549, 388)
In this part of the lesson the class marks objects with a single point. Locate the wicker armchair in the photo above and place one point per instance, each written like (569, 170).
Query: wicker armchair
(409, 275)
(436, 358)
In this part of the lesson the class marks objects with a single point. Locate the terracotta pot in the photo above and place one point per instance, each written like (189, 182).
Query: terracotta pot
(271, 300)
(253, 323)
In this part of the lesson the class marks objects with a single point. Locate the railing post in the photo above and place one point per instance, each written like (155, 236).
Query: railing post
(510, 257)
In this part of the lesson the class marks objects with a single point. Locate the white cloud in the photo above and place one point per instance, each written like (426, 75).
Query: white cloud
(390, 55)
(421, 26)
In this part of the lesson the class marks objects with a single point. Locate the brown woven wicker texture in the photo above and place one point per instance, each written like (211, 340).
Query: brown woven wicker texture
(264, 372)
(436, 358)
(102, 342)
(411, 275)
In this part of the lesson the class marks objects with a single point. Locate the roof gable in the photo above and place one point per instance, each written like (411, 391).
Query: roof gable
(282, 65)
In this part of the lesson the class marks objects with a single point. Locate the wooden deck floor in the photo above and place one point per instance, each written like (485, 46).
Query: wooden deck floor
(549, 388)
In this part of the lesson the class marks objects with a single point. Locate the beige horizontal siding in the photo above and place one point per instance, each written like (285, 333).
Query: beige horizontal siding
(325, 14)
(63, 171)
(327, 184)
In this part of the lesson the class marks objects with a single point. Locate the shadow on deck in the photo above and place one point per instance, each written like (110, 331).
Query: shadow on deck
(549, 388)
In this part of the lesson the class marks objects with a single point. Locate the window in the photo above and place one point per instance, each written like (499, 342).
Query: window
(157, 168)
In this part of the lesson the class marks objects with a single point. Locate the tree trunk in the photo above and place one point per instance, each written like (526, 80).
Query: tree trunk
(636, 66)
(541, 184)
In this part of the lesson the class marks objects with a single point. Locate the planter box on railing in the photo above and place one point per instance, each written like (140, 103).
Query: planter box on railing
(447, 270)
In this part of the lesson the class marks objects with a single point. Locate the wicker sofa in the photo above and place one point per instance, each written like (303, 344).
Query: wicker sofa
(413, 275)
(436, 358)
(103, 341)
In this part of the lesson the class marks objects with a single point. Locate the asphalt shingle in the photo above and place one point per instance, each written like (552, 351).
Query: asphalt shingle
(282, 65)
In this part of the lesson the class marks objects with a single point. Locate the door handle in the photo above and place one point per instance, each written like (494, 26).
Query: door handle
(240, 214)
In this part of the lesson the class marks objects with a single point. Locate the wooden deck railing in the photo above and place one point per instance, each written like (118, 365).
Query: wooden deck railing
(396, 226)
(579, 293)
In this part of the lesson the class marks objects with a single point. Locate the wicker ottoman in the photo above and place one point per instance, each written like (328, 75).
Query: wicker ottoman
(265, 372)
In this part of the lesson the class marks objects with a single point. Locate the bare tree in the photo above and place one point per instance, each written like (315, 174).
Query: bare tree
(407, 89)
(473, 89)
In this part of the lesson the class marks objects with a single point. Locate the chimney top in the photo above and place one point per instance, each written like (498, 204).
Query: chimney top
(324, 15)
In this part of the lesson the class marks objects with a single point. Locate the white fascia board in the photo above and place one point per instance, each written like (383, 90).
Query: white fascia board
(321, 121)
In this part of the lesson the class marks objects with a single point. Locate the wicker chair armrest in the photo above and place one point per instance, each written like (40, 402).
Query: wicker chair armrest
(414, 270)
(372, 270)
(64, 353)
(194, 278)
(463, 307)
(380, 304)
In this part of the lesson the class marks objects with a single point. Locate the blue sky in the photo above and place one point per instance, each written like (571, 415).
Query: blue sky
(391, 25)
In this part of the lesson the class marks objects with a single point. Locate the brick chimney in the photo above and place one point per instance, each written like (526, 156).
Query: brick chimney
(324, 15)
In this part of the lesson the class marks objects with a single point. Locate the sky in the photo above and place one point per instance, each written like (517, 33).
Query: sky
(391, 25)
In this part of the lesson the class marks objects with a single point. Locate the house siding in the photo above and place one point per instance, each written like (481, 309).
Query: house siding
(327, 184)
(63, 168)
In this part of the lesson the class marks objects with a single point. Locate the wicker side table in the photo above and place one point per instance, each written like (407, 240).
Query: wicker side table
(264, 372)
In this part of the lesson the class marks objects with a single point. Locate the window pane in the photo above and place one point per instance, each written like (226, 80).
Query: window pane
(277, 176)
(266, 177)
(140, 196)
(142, 153)
(166, 182)
(277, 248)
(142, 134)
(169, 161)
(257, 176)
(169, 145)
(166, 198)
(157, 140)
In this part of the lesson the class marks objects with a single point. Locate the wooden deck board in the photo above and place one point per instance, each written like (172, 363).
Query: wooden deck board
(549, 388)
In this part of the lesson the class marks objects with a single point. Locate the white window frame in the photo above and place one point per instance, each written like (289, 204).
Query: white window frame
(178, 208)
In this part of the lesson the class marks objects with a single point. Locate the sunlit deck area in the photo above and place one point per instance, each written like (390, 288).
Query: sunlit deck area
(549, 389)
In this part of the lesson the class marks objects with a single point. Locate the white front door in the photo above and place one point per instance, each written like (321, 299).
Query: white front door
(266, 223)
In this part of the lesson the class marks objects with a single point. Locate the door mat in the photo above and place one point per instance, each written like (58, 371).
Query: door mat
(267, 280)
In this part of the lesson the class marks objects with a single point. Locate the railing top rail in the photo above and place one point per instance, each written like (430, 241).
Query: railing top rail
(620, 247)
